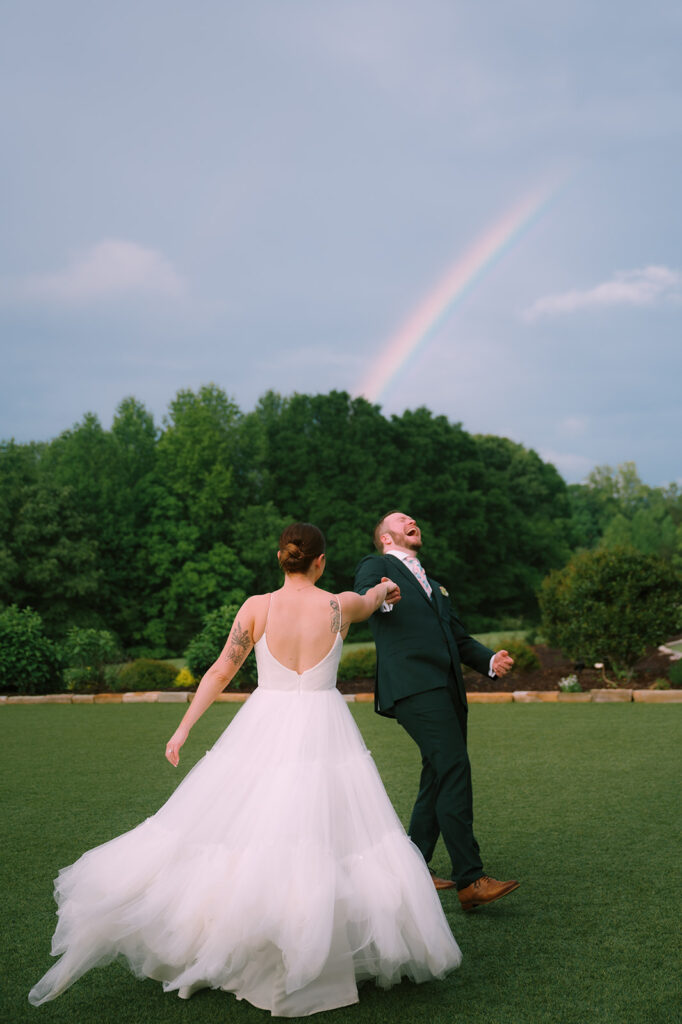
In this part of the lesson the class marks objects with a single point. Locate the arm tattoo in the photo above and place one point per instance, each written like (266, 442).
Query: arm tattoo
(336, 615)
(239, 645)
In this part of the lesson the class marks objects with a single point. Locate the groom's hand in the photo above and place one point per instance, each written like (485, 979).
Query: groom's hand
(502, 662)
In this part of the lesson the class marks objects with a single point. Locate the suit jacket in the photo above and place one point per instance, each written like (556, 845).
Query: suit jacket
(421, 644)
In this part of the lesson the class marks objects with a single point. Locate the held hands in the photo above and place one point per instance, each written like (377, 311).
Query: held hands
(502, 662)
(174, 744)
(392, 591)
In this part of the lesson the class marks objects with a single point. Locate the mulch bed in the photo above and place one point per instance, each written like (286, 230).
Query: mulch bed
(553, 667)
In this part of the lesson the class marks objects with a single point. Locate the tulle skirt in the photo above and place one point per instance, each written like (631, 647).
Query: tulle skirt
(278, 870)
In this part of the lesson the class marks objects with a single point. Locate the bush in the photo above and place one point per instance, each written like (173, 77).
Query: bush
(660, 684)
(146, 674)
(206, 646)
(675, 673)
(84, 680)
(525, 658)
(360, 664)
(184, 680)
(86, 653)
(29, 660)
(611, 605)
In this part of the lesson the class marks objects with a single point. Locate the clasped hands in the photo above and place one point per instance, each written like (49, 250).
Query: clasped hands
(393, 593)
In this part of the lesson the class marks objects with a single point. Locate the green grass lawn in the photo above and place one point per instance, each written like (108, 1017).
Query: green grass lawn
(579, 802)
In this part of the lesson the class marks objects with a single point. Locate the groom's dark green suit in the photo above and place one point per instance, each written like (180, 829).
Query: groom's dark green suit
(421, 645)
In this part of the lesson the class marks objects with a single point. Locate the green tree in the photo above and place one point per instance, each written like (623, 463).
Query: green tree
(610, 605)
(524, 529)
(75, 474)
(653, 530)
(435, 476)
(328, 461)
(614, 508)
(19, 467)
(59, 576)
(191, 499)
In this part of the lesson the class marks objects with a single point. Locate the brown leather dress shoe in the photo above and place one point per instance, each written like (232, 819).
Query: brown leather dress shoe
(441, 883)
(484, 890)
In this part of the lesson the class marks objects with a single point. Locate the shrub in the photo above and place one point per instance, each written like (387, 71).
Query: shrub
(675, 673)
(87, 652)
(184, 680)
(660, 684)
(29, 660)
(84, 680)
(610, 605)
(525, 658)
(146, 674)
(206, 646)
(359, 664)
(570, 684)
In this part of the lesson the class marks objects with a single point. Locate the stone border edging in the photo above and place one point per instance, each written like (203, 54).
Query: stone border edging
(234, 697)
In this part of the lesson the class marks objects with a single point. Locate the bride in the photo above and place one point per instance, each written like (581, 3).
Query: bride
(278, 869)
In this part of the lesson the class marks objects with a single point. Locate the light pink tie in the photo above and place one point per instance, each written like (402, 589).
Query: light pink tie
(415, 567)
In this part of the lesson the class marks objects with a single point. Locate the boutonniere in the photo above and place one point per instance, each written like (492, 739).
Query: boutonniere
(444, 592)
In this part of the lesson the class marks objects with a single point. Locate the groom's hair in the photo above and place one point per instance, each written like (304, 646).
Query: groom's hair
(378, 530)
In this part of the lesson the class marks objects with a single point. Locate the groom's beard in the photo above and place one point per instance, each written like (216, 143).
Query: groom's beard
(410, 543)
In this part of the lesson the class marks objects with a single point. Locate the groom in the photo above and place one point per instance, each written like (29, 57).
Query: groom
(421, 645)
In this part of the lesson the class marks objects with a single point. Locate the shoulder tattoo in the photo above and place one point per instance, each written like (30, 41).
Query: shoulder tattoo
(239, 644)
(336, 615)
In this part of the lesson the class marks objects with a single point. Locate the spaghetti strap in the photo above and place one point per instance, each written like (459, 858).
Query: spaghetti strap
(265, 627)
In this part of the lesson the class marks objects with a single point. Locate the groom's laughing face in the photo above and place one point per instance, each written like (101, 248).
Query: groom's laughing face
(403, 531)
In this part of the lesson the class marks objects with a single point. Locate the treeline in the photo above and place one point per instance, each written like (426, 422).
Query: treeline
(145, 529)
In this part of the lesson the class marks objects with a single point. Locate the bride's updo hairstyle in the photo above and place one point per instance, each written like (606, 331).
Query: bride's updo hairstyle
(299, 545)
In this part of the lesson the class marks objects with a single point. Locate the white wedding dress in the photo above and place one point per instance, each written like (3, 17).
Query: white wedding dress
(278, 869)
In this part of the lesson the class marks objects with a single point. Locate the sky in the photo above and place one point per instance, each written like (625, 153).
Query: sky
(470, 207)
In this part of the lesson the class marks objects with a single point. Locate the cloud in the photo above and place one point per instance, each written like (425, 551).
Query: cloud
(573, 426)
(572, 467)
(648, 286)
(111, 268)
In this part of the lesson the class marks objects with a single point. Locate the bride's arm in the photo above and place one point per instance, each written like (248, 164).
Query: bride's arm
(216, 678)
(358, 607)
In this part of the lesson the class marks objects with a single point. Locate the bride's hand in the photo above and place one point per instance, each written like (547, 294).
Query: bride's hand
(393, 591)
(174, 744)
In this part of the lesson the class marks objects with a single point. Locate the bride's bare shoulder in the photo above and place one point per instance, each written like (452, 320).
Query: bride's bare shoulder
(255, 607)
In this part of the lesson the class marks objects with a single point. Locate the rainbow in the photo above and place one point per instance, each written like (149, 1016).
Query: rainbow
(456, 283)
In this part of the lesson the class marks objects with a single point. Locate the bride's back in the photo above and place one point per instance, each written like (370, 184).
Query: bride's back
(300, 624)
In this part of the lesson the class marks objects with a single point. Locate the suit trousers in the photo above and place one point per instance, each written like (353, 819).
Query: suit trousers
(436, 721)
